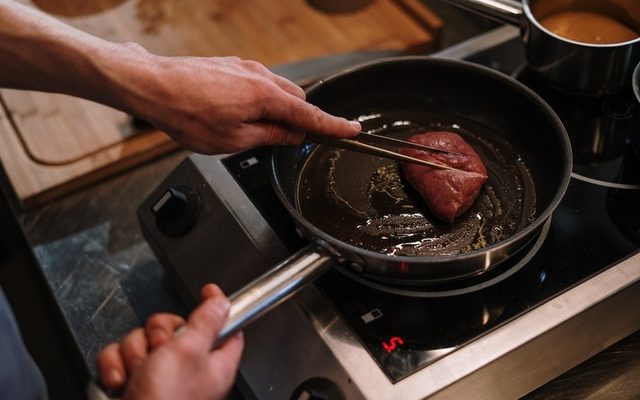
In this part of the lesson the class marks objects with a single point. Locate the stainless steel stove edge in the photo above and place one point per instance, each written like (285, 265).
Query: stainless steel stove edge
(512, 360)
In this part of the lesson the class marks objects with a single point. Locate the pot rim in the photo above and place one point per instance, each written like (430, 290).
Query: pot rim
(526, 10)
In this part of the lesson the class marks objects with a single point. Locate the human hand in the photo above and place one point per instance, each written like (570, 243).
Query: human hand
(207, 104)
(221, 104)
(155, 363)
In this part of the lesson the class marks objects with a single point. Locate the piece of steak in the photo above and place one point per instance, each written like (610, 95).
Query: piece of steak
(448, 193)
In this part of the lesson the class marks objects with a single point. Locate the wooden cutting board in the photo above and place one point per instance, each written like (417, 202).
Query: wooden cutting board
(52, 144)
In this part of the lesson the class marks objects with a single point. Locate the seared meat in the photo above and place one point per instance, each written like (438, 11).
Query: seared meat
(448, 193)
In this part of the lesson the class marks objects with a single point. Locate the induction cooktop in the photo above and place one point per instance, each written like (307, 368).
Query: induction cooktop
(376, 340)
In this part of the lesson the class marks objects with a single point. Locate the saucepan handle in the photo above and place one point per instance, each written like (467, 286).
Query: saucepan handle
(274, 287)
(505, 11)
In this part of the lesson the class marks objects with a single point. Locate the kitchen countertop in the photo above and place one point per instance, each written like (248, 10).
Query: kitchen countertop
(103, 275)
(106, 280)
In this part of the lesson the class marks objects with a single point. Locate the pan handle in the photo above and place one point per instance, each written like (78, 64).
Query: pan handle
(504, 11)
(274, 287)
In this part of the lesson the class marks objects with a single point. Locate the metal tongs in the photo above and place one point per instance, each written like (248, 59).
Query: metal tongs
(366, 148)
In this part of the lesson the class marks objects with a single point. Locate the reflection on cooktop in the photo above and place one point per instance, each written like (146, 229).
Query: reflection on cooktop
(406, 328)
(603, 131)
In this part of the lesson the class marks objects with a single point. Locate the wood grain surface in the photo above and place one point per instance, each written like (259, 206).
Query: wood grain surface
(51, 144)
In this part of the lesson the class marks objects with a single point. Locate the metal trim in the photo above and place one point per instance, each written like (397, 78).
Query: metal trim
(479, 43)
(522, 344)
(231, 194)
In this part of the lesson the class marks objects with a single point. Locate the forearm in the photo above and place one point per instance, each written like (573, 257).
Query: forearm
(39, 53)
(209, 105)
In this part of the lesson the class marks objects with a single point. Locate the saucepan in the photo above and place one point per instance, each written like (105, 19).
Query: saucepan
(586, 47)
(636, 82)
(360, 215)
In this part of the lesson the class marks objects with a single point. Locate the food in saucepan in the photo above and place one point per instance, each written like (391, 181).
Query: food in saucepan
(589, 27)
(447, 192)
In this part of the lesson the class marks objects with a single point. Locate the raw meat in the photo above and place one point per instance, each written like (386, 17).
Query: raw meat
(448, 193)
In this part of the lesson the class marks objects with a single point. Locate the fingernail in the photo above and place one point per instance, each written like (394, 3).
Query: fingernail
(115, 377)
(355, 124)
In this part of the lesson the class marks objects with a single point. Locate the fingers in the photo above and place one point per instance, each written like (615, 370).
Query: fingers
(210, 290)
(111, 367)
(118, 360)
(270, 133)
(259, 134)
(288, 86)
(134, 348)
(206, 321)
(299, 114)
(284, 83)
(160, 328)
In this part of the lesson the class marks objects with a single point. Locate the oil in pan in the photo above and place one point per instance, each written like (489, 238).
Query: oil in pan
(365, 201)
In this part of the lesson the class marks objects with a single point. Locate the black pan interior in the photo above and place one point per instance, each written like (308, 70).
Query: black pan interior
(372, 206)
(364, 200)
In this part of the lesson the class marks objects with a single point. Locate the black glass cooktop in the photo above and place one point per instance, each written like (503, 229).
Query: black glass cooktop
(596, 225)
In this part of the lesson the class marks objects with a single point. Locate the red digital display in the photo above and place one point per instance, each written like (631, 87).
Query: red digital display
(392, 344)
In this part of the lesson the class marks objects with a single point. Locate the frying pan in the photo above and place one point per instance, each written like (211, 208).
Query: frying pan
(516, 133)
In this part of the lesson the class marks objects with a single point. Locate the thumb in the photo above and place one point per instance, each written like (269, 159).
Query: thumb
(207, 319)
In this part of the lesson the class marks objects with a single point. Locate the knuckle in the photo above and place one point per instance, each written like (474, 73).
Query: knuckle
(262, 91)
(156, 320)
(273, 135)
(212, 313)
(253, 65)
(189, 347)
(135, 46)
(134, 342)
(106, 353)
(233, 59)
(315, 115)
(132, 336)
(261, 108)
(132, 355)
(301, 93)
